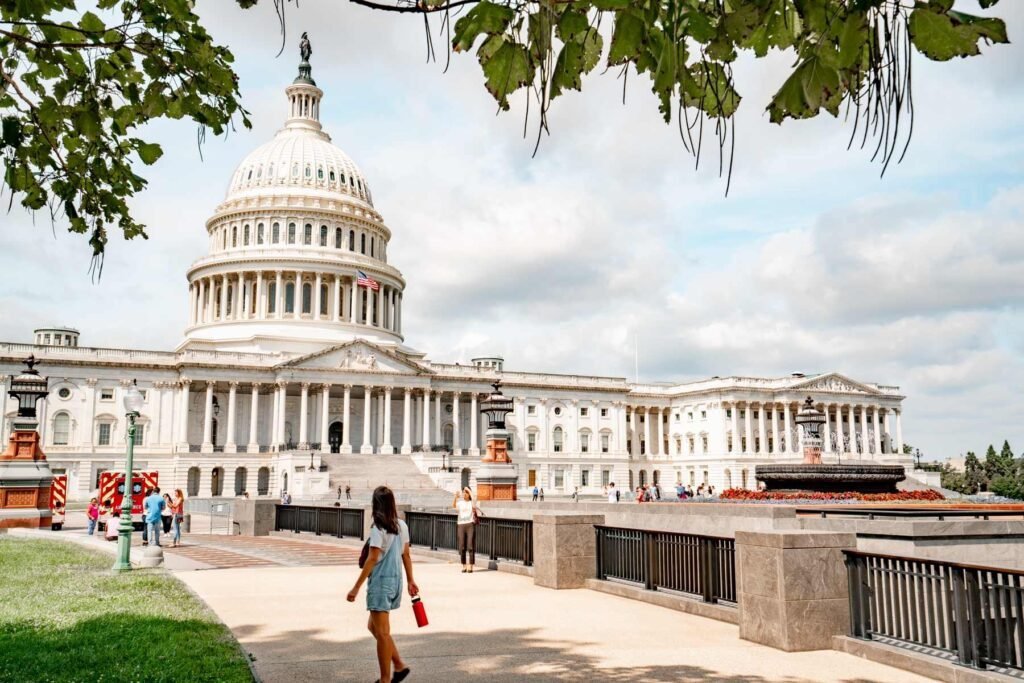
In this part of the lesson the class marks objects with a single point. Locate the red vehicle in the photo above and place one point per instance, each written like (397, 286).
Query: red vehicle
(59, 491)
(112, 488)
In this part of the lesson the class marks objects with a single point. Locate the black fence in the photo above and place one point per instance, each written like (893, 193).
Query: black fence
(330, 521)
(975, 614)
(701, 566)
(496, 538)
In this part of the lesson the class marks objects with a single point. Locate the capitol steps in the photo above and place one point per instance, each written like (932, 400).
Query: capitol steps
(364, 473)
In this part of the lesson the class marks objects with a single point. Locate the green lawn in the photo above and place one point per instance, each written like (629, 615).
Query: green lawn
(64, 616)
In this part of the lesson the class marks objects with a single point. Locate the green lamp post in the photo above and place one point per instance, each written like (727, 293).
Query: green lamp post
(133, 405)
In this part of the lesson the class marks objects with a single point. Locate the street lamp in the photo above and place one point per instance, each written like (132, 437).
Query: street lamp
(133, 403)
(496, 407)
(28, 388)
(810, 419)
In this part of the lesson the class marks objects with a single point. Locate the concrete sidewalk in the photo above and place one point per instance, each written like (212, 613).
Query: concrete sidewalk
(494, 626)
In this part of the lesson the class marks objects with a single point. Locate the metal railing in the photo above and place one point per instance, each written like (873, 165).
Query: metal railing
(701, 566)
(975, 614)
(919, 513)
(496, 538)
(331, 521)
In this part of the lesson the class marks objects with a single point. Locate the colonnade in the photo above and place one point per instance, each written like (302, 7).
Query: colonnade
(294, 295)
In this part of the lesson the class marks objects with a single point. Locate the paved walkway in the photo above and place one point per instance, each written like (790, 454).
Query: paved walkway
(494, 626)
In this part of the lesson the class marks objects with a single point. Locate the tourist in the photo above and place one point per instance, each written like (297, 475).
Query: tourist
(576, 494)
(389, 551)
(618, 495)
(166, 515)
(613, 495)
(466, 529)
(542, 495)
(680, 491)
(639, 494)
(348, 491)
(535, 492)
(92, 515)
(105, 507)
(152, 510)
(178, 508)
(655, 491)
(57, 519)
(711, 491)
(113, 526)
(339, 491)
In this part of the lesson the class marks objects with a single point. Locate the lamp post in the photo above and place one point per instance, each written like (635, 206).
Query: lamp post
(25, 476)
(132, 405)
(810, 419)
(496, 478)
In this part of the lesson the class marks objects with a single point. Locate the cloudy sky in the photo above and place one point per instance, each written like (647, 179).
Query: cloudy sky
(608, 237)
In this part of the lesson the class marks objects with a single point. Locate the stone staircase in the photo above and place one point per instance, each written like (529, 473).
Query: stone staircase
(364, 473)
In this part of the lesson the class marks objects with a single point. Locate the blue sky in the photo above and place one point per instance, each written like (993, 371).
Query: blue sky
(811, 263)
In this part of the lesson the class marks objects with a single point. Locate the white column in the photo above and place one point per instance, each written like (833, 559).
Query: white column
(647, 431)
(282, 413)
(260, 306)
(279, 296)
(346, 414)
(274, 437)
(426, 419)
(899, 432)
(762, 429)
(201, 303)
(229, 443)
(380, 306)
(385, 446)
(456, 427)
(621, 430)
(864, 447)
(239, 308)
(325, 416)
(207, 446)
(191, 304)
(303, 421)
(297, 302)
(254, 411)
(353, 303)
(368, 310)
(223, 297)
(474, 443)
(182, 418)
(735, 427)
(336, 304)
(775, 428)
(790, 441)
(367, 447)
(878, 430)
(316, 296)
(437, 419)
(406, 422)
(748, 427)
(826, 444)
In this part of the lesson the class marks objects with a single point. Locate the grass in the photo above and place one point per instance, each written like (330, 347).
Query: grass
(64, 616)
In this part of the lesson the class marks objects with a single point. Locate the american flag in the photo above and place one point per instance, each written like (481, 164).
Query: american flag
(365, 280)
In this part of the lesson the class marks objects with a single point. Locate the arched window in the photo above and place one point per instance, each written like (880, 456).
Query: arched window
(556, 439)
(289, 297)
(307, 234)
(259, 234)
(351, 240)
(362, 243)
(323, 299)
(275, 233)
(342, 177)
(231, 291)
(223, 239)
(263, 481)
(323, 235)
(584, 442)
(339, 236)
(241, 475)
(643, 477)
(217, 481)
(192, 486)
(309, 171)
(245, 236)
(372, 246)
(271, 298)
(234, 236)
(307, 298)
(291, 233)
(320, 173)
(295, 170)
(332, 176)
(61, 429)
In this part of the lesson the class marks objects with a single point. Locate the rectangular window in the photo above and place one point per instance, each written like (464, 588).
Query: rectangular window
(271, 297)
(584, 443)
(755, 414)
(604, 412)
(604, 443)
(291, 233)
(531, 477)
(531, 410)
(61, 429)
(703, 414)
(585, 478)
(689, 416)
(140, 434)
(743, 413)
(606, 477)
(728, 412)
(531, 441)
(559, 479)
(107, 394)
(103, 438)
(323, 235)
(307, 235)
(643, 447)
(584, 412)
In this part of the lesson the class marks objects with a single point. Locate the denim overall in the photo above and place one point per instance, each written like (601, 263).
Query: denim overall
(384, 589)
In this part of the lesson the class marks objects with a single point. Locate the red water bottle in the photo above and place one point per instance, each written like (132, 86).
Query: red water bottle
(420, 611)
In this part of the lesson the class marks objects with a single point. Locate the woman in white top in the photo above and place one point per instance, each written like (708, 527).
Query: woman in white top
(466, 534)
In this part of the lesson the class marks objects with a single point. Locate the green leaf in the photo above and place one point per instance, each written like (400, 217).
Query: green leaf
(572, 24)
(812, 86)
(942, 36)
(852, 38)
(574, 60)
(627, 38)
(506, 67)
(486, 18)
(91, 23)
(149, 152)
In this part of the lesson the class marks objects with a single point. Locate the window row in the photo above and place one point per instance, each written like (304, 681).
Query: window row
(328, 177)
(367, 244)
(61, 433)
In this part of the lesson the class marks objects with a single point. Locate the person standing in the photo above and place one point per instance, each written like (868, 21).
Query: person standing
(178, 512)
(152, 510)
(542, 495)
(535, 493)
(613, 495)
(466, 529)
(389, 552)
(167, 515)
(348, 491)
(92, 515)
(576, 494)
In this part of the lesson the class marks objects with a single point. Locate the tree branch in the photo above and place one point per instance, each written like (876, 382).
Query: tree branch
(413, 9)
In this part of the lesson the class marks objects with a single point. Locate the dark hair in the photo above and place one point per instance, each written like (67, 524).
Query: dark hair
(385, 514)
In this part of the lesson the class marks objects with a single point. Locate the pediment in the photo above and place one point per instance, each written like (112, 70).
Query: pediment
(358, 356)
(834, 382)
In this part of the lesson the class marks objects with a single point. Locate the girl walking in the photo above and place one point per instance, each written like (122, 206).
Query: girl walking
(178, 511)
(389, 552)
(466, 529)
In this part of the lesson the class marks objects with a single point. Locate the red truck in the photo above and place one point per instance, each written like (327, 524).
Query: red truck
(112, 488)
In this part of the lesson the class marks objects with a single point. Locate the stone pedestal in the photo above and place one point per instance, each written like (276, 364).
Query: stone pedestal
(25, 480)
(496, 478)
(792, 587)
(564, 550)
(255, 516)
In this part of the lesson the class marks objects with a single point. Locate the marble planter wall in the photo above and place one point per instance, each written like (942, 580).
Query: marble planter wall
(564, 550)
(792, 588)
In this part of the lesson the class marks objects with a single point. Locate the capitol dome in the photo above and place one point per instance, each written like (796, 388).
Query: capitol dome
(298, 256)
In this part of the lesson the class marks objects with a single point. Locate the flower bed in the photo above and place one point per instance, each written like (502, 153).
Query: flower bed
(900, 496)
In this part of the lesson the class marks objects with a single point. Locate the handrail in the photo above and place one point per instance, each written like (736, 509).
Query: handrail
(623, 528)
(496, 537)
(871, 513)
(944, 563)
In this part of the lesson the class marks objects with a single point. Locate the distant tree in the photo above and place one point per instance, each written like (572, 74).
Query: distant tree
(974, 473)
(998, 464)
(955, 481)
(1005, 453)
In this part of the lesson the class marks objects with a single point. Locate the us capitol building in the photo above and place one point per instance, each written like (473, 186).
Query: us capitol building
(295, 349)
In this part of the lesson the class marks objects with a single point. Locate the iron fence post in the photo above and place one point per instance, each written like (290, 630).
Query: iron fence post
(493, 531)
(433, 532)
(979, 643)
(316, 520)
(648, 538)
(599, 544)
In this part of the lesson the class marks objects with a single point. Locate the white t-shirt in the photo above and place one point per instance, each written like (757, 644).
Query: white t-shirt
(611, 495)
(383, 540)
(465, 508)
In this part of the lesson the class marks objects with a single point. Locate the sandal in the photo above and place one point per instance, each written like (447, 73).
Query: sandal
(400, 676)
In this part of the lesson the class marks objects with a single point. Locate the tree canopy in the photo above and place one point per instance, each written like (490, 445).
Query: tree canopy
(77, 84)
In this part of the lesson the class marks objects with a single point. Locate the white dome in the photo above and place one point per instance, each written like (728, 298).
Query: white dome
(301, 160)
